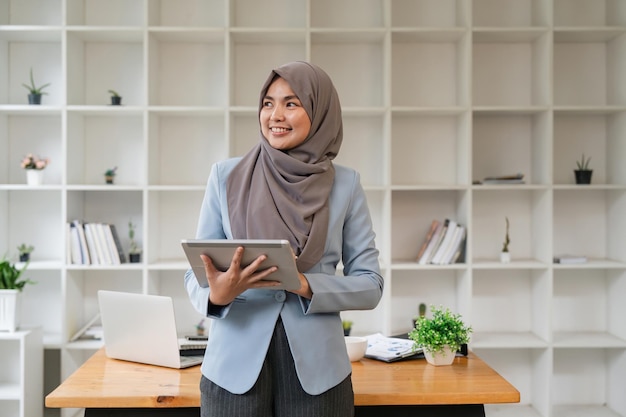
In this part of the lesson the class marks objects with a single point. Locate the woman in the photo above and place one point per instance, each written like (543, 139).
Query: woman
(273, 352)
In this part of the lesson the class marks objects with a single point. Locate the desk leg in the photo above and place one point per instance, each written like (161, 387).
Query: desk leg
(469, 410)
(142, 412)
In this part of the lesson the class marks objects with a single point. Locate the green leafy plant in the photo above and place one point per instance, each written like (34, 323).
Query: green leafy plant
(347, 324)
(24, 249)
(32, 89)
(583, 164)
(10, 276)
(110, 172)
(444, 328)
(114, 93)
(134, 248)
(505, 245)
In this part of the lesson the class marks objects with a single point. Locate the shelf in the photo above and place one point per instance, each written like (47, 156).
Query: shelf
(436, 95)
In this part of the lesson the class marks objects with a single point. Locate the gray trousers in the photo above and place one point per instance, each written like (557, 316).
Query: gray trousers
(277, 392)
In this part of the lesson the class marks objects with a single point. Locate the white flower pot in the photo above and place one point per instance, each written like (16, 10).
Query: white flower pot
(440, 358)
(34, 177)
(9, 310)
(505, 257)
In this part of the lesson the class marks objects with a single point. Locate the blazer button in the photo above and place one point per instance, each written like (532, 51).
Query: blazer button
(280, 296)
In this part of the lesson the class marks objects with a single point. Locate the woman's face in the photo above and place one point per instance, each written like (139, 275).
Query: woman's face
(284, 122)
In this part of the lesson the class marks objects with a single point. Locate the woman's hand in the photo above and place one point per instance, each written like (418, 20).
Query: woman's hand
(305, 288)
(227, 285)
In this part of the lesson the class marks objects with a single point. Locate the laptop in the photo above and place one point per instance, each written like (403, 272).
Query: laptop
(142, 328)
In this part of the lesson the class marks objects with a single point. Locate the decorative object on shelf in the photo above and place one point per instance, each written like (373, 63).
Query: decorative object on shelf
(34, 167)
(24, 251)
(134, 253)
(583, 173)
(421, 312)
(440, 336)
(505, 255)
(347, 327)
(116, 99)
(35, 93)
(109, 175)
(200, 328)
(11, 287)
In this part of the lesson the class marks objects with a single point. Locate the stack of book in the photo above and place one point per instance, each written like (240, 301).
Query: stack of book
(93, 244)
(504, 179)
(444, 243)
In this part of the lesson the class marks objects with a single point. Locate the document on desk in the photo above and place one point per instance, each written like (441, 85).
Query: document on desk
(391, 349)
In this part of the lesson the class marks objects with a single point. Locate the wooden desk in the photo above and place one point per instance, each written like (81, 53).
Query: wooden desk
(107, 387)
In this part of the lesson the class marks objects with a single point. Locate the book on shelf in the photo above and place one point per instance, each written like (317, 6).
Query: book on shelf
(438, 236)
(93, 243)
(453, 250)
(445, 243)
(429, 235)
(504, 179)
(90, 331)
(570, 259)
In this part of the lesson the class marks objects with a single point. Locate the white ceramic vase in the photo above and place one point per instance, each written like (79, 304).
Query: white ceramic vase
(505, 257)
(440, 358)
(34, 177)
(9, 310)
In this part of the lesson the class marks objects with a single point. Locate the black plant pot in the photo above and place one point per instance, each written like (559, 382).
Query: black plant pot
(134, 258)
(583, 177)
(116, 101)
(346, 332)
(34, 99)
(24, 257)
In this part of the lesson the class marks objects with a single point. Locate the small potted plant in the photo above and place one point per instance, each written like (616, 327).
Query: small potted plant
(134, 253)
(440, 336)
(11, 285)
(505, 256)
(34, 167)
(109, 175)
(34, 92)
(583, 173)
(24, 251)
(347, 327)
(421, 312)
(116, 99)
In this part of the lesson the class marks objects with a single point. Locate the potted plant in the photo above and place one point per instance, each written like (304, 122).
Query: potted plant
(24, 251)
(421, 312)
(11, 285)
(440, 336)
(109, 175)
(583, 173)
(35, 93)
(116, 99)
(34, 167)
(505, 256)
(134, 253)
(347, 327)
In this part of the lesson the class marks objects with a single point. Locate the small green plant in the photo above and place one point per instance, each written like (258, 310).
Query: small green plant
(32, 89)
(10, 276)
(114, 93)
(444, 328)
(505, 245)
(110, 172)
(134, 248)
(25, 249)
(347, 324)
(583, 164)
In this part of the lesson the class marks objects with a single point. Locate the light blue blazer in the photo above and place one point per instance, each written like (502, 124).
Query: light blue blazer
(241, 332)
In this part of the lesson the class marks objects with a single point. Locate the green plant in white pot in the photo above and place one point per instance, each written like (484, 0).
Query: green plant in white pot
(440, 335)
(11, 285)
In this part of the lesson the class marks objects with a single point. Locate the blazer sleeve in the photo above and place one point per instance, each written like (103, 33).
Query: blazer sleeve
(361, 285)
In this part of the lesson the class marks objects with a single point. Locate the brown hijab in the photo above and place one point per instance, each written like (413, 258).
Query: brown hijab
(274, 194)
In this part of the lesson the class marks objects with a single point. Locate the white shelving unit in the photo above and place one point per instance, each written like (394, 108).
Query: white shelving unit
(21, 361)
(436, 94)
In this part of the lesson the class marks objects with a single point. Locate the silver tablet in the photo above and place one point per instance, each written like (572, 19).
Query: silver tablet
(221, 252)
